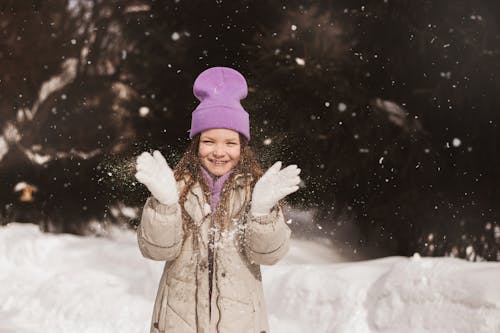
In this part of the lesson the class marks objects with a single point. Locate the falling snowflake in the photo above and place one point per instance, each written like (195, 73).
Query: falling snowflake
(175, 36)
(143, 111)
(300, 61)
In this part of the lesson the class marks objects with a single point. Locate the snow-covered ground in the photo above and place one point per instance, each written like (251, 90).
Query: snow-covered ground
(65, 283)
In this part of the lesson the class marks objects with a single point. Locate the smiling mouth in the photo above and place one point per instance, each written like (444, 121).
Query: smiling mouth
(218, 162)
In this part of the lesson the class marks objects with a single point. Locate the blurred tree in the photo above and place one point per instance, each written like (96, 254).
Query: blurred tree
(63, 110)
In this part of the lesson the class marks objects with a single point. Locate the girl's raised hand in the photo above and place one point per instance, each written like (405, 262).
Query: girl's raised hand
(154, 172)
(273, 186)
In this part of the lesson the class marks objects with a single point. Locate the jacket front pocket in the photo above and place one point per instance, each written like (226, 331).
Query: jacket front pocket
(181, 305)
(236, 315)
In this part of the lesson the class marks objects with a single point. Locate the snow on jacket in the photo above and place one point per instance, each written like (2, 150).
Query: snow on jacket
(237, 302)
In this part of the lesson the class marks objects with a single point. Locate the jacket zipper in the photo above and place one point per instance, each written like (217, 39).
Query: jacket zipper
(210, 265)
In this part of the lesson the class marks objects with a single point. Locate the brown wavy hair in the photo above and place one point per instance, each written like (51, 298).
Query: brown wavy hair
(188, 169)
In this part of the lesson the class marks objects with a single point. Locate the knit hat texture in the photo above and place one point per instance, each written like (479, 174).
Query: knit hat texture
(220, 90)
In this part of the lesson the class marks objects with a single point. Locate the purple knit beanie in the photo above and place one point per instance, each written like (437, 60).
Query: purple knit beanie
(220, 90)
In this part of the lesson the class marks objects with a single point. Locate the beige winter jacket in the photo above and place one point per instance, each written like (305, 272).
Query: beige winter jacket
(237, 301)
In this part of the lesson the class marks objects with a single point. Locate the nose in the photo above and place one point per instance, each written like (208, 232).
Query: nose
(218, 152)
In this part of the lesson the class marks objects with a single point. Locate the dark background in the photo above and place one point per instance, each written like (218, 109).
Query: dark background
(390, 108)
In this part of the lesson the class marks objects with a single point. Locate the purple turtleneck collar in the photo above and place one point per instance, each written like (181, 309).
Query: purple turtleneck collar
(215, 186)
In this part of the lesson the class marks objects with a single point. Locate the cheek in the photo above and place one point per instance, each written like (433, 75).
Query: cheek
(203, 152)
(235, 155)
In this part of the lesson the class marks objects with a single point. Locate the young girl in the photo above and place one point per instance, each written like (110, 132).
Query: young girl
(215, 218)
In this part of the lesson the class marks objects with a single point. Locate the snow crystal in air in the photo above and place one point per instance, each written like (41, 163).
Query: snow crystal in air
(446, 75)
(175, 36)
(143, 111)
(300, 61)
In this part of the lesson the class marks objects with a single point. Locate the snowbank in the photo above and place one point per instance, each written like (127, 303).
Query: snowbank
(65, 283)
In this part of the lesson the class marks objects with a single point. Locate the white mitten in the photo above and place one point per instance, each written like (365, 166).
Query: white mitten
(154, 172)
(273, 186)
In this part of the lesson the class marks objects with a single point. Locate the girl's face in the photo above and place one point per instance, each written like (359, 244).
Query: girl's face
(219, 150)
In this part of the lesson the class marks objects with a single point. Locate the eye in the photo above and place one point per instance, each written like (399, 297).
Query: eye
(231, 143)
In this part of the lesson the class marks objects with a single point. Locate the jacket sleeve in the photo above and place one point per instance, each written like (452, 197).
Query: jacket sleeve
(160, 232)
(267, 238)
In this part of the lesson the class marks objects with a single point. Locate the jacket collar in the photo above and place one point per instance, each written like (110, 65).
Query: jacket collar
(240, 180)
